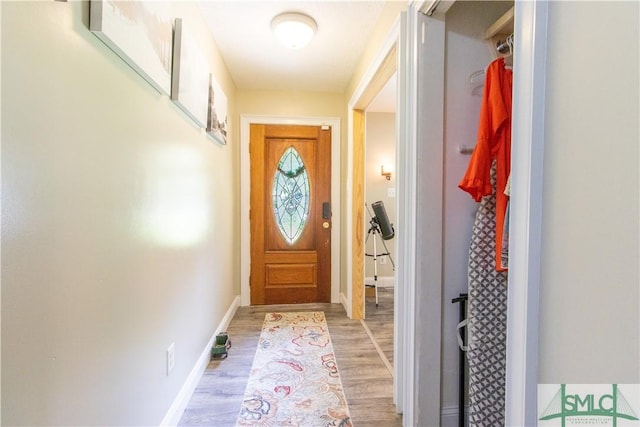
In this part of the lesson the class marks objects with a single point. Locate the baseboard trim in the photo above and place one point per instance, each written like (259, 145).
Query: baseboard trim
(345, 304)
(383, 282)
(172, 418)
(449, 416)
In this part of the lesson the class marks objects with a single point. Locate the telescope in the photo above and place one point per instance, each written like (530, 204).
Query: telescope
(380, 227)
(386, 228)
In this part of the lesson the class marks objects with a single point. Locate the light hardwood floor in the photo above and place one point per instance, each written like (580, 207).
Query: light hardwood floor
(379, 320)
(367, 383)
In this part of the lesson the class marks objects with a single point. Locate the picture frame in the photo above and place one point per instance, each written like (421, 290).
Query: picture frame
(190, 77)
(217, 123)
(139, 32)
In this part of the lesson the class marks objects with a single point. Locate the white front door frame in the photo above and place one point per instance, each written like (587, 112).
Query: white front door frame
(246, 120)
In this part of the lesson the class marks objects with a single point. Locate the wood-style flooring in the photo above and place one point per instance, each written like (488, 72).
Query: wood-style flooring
(379, 320)
(367, 382)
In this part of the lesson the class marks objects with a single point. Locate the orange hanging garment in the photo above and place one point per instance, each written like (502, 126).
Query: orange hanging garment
(494, 143)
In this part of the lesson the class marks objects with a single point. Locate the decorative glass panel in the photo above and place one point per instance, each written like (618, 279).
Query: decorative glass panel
(291, 195)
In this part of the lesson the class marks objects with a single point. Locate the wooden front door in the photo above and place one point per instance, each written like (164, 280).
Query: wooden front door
(290, 214)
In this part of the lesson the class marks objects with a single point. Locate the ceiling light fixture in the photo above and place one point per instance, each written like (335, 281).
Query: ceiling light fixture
(294, 30)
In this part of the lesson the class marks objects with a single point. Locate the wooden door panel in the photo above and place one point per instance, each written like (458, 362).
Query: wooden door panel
(293, 295)
(290, 275)
(289, 257)
(284, 272)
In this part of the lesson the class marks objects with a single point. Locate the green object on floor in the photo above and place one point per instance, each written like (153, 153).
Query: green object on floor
(221, 346)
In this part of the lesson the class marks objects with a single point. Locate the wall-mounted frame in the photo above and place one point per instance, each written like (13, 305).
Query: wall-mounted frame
(217, 117)
(190, 82)
(139, 32)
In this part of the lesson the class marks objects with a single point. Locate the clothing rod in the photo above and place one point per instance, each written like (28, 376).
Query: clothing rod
(506, 45)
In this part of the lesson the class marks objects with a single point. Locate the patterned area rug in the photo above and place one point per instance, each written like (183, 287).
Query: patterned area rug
(294, 380)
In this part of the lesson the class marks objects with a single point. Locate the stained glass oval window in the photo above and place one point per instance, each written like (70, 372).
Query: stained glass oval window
(291, 195)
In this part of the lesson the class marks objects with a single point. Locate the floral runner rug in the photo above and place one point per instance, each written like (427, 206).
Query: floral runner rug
(294, 380)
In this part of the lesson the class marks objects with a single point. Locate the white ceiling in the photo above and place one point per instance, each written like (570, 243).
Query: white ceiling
(256, 60)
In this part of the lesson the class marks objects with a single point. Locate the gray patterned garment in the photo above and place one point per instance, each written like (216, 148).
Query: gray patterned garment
(487, 317)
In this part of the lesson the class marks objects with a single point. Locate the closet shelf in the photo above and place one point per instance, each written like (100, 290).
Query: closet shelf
(503, 25)
(499, 32)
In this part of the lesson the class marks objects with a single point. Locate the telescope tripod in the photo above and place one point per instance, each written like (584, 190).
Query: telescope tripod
(374, 231)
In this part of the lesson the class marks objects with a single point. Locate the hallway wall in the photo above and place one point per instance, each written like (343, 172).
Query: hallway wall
(388, 17)
(119, 225)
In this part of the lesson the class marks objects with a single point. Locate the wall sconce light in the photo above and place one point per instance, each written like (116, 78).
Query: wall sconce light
(385, 170)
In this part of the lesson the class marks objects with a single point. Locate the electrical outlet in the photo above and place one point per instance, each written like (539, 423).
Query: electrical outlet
(383, 260)
(171, 357)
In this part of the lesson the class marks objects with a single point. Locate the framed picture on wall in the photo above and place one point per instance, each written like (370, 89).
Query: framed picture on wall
(190, 82)
(139, 32)
(217, 112)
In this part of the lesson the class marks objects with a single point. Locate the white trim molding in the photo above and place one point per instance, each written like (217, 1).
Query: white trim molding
(450, 416)
(174, 414)
(345, 303)
(246, 120)
(404, 315)
(526, 212)
(383, 282)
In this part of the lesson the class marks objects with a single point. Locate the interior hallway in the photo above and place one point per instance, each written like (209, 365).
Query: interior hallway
(368, 384)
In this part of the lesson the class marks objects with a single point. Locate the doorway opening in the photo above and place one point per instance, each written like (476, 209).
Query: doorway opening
(245, 192)
(388, 62)
(380, 186)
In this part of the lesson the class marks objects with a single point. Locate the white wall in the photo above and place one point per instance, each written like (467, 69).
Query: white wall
(119, 226)
(589, 292)
(380, 148)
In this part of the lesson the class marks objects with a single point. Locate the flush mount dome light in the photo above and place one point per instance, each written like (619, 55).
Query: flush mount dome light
(294, 30)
